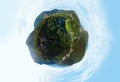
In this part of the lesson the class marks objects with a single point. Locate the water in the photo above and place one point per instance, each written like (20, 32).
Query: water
(91, 16)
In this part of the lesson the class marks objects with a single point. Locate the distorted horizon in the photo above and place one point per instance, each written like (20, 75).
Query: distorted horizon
(92, 18)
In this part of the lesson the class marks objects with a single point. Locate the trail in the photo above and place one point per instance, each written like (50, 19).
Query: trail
(91, 16)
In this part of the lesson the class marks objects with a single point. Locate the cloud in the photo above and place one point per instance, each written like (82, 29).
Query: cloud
(92, 19)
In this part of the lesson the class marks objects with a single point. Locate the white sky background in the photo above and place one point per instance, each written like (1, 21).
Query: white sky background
(16, 62)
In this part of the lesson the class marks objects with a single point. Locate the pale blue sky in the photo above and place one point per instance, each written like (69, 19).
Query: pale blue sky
(110, 68)
(8, 10)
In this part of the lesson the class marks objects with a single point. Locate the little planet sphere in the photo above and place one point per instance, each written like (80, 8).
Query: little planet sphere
(57, 38)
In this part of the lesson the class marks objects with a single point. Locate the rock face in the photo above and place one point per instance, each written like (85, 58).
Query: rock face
(58, 38)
